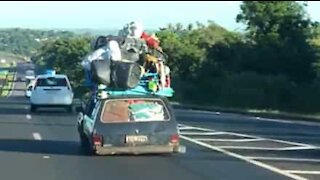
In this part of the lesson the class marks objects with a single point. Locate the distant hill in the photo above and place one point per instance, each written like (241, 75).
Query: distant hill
(97, 32)
(27, 41)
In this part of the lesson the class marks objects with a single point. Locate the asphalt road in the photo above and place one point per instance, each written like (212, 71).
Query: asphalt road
(46, 146)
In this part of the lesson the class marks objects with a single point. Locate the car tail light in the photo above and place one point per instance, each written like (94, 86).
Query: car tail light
(97, 139)
(174, 139)
(168, 81)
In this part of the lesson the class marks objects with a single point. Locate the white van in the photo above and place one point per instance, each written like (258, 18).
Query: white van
(51, 91)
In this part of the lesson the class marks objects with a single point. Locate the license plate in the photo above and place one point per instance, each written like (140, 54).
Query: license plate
(136, 139)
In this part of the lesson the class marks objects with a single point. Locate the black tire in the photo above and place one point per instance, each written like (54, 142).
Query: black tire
(33, 108)
(85, 146)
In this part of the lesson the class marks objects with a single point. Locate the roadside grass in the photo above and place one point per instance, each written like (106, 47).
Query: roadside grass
(8, 86)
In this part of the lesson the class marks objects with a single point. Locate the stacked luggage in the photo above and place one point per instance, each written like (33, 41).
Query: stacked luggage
(130, 63)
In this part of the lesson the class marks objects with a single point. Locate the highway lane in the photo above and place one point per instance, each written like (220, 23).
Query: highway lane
(57, 155)
(45, 145)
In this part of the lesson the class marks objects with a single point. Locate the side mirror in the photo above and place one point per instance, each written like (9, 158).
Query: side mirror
(79, 109)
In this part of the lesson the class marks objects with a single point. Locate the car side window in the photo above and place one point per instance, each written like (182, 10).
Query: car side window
(95, 110)
(89, 107)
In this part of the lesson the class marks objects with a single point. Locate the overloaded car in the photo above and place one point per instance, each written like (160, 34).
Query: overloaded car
(128, 124)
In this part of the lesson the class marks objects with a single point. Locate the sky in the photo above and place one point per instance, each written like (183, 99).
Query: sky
(112, 14)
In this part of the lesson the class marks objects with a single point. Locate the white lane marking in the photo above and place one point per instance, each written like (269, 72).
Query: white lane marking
(228, 140)
(269, 139)
(202, 134)
(46, 157)
(302, 172)
(265, 148)
(13, 85)
(37, 136)
(195, 128)
(257, 163)
(256, 137)
(274, 140)
(283, 159)
(28, 116)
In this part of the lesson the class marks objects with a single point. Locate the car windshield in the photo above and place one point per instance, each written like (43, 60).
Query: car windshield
(30, 73)
(52, 81)
(134, 110)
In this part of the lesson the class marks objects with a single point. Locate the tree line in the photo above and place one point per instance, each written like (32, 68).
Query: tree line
(274, 64)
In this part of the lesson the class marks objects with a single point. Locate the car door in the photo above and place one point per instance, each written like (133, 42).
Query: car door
(89, 118)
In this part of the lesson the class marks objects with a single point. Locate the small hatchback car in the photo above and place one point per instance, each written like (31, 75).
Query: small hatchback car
(51, 91)
(129, 125)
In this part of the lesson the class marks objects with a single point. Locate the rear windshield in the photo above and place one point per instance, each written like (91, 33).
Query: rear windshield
(52, 81)
(134, 110)
(30, 73)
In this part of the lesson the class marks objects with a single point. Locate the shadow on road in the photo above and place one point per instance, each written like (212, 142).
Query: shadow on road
(12, 111)
(41, 147)
(49, 124)
(52, 147)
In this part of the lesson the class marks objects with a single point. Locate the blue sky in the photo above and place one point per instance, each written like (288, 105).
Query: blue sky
(111, 14)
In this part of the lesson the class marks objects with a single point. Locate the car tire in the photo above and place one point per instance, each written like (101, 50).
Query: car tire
(33, 108)
(85, 146)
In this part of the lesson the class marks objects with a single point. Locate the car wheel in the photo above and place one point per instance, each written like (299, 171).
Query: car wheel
(33, 108)
(85, 146)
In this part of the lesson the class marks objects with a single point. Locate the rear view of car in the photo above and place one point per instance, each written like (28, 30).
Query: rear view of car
(51, 91)
(132, 126)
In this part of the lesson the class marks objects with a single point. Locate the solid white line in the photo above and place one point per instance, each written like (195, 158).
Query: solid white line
(257, 163)
(228, 140)
(274, 140)
(191, 128)
(302, 172)
(308, 146)
(37, 136)
(283, 159)
(198, 128)
(265, 148)
(201, 133)
(28, 116)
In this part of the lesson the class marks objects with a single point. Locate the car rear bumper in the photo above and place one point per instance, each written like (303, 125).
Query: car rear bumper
(140, 149)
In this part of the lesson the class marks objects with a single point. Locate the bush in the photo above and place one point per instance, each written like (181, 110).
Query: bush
(249, 90)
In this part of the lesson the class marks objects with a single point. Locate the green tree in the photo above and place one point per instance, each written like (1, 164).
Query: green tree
(65, 57)
(281, 30)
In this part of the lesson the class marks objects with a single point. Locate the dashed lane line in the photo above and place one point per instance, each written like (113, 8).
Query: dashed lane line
(37, 136)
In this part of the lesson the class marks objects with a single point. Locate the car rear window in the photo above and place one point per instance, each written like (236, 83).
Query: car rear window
(134, 110)
(52, 81)
(30, 73)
